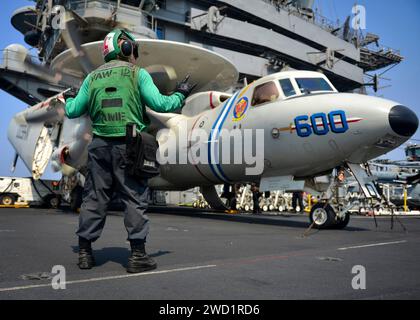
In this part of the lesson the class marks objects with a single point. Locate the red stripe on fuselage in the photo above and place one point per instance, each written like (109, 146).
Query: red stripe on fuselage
(211, 101)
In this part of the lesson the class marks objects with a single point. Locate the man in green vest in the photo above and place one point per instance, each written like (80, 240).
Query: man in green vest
(114, 96)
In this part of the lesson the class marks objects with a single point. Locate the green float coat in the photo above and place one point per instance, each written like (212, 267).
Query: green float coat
(116, 94)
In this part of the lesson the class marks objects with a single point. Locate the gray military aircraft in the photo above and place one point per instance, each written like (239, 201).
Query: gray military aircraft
(398, 176)
(299, 128)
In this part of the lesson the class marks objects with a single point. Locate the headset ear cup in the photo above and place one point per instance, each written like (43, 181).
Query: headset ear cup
(136, 51)
(126, 48)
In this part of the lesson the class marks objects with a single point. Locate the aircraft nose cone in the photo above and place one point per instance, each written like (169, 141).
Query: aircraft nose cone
(403, 121)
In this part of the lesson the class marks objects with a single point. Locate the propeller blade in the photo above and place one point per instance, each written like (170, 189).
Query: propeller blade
(163, 76)
(58, 78)
(71, 37)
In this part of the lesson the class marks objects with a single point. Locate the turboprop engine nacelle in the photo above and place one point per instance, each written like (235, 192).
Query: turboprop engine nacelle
(203, 101)
(72, 152)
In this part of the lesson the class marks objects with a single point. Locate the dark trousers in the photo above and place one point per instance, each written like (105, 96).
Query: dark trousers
(256, 200)
(106, 174)
(297, 198)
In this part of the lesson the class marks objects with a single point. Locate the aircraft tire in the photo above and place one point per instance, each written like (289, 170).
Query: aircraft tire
(322, 216)
(341, 224)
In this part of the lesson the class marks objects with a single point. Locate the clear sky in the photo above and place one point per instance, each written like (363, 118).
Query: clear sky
(397, 22)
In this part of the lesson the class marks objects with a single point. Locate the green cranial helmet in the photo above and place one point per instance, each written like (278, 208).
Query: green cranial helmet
(113, 49)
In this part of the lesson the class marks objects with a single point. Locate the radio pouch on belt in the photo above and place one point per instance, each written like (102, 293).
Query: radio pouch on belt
(141, 154)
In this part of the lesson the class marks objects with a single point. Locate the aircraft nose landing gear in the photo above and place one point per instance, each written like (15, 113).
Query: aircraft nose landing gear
(323, 216)
(333, 211)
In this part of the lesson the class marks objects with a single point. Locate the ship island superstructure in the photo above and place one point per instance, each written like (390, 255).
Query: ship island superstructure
(259, 37)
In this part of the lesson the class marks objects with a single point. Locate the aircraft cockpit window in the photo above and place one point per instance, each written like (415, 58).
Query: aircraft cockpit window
(264, 93)
(308, 85)
(287, 87)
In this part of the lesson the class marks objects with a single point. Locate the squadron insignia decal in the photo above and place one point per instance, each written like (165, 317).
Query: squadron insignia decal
(240, 109)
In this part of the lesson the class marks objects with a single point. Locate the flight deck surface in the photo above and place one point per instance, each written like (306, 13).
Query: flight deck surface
(211, 257)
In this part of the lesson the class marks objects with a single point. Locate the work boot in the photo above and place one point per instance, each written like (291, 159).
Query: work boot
(86, 259)
(140, 260)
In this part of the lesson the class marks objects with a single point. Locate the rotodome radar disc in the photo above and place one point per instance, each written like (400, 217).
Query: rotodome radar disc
(210, 70)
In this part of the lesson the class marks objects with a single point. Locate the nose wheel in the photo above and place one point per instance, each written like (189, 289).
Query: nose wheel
(342, 223)
(323, 216)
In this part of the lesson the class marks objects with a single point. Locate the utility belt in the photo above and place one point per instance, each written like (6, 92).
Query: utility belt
(141, 154)
(111, 139)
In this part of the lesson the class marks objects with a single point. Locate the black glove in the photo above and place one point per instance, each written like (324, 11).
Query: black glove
(71, 93)
(66, 154)
(184, 87)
